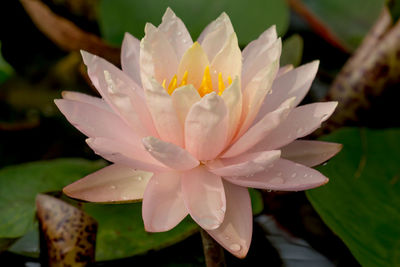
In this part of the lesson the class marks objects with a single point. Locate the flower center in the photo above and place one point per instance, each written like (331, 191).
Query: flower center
(206, 86)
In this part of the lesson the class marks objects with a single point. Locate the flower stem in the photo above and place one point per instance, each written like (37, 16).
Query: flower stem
(213, 252)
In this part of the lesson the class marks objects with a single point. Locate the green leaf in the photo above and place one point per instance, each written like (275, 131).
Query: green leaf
(257, 202)
(249, 21)
(349, 21)
(121, 231)
(292, 50)
(361, 202)
(20, 184)
(5, 69)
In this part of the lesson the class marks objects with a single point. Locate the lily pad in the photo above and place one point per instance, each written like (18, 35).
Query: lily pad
(348, 21)
(361, 203)
(120, 16)
(292, 51)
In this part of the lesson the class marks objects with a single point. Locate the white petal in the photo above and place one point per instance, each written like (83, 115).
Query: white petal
(114, 183)
(310, 153)
(204, 196)
(234, 234)
(176, 33)
(283, 175)
(263, 42)
(87, 99)
(164, 115)
(245, 164)
(233, 101)
(169, 154)
(163, 207)
(206, 127)
(130, 58)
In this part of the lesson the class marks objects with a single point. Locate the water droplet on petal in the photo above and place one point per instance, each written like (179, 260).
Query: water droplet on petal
(326, 163)
(179, 33)
(293, 175)
(227, 237)
(235, 247)
(139, 178)
(113, 187)
(299, 131)
(305, 175)
(208, 222)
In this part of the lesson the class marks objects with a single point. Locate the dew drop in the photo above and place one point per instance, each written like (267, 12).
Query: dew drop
(294, 175)
(235, 247)
(326, 163)
(305, 175)
(113, 187)
(227, 237)
(299, 131)
(184, 41)
(179, 33)
(139, 178)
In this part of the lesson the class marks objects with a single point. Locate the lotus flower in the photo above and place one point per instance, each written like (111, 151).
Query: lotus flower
(202, 121)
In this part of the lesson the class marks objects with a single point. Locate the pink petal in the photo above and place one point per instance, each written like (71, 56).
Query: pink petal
(124, 96)
(96, 122)
(215, 35)
(163, 207)
(310, 153)
(284, 70)
(283, 175)
(260, 60)
(130, 57)
(228, 61)
(114, 183)
(183, 99)
(87, 99)
(124, 154)
(169, 154)
(234, 234)
(164, 115)
(157, 57)
(245, 164)
(258, 87)
(263, 42)
(300, 122)
(204, 196)
(176, 33)
(194, 61)
(206, 127)
(294, 83)
(232, 97)
(258, 132)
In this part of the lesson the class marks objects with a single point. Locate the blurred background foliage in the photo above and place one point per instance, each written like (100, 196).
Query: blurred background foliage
(359, 208)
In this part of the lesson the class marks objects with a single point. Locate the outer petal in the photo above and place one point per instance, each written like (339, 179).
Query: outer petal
(228, 61)
(283, 175)
(263, 42)
(234, 234)
(114, 183)
(258, 87)
(169, 154)
(256, 133)
(183, 99)
(176, 32)
(310, 153)
(206, 127)
(204, 196)
(123, 154)
(87, 99)
(130, 57)
(244, 165)
(157, 57)
(300, 122)
(194, 61)
(232, 97)
(284, 70)
(294, 83)
(215, 35)
(96, 122)
(164, 115)
(163, 207)
(121, 93)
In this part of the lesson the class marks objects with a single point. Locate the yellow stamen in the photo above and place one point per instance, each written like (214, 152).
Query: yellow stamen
(184, 79)
(172, 85)
(163, 83)
(221, 85)
(229, 80)
(206, 83)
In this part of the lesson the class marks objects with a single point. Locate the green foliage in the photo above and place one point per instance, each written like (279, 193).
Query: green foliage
(292, 51)
(249, 20)
(361, 203)
(5, 69)
(348, 20)
(257, 202)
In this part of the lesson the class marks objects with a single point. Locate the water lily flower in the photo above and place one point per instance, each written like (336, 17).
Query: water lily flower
(202, 121)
